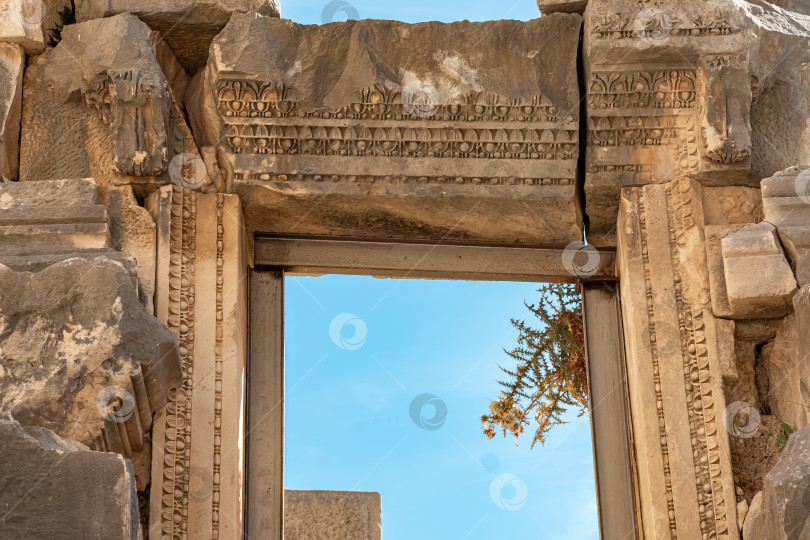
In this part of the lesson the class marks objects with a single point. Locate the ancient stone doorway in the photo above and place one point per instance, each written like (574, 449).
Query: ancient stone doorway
(275, 257)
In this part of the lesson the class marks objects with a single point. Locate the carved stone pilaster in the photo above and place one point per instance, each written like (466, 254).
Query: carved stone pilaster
(197, 449)
(674, 365)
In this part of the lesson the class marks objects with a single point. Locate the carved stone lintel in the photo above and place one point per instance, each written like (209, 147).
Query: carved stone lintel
(443, 147)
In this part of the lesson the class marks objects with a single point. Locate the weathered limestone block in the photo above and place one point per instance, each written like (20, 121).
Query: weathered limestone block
(781, 362)
(786, 203)
(51, 217)
(801, 303)
(320, 135)
(188, 26)
(675, 365)
(197, 448)
(732, 205)
(133, 232)
(332, 515)
(548, 7)
(58, 489)
(685, 89)
(31, 23)
(781, 511)
(759, 281)
(12, 66)
(80, 356)
(99, 105)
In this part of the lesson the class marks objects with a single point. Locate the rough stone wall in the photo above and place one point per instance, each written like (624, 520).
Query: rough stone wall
(143, 145)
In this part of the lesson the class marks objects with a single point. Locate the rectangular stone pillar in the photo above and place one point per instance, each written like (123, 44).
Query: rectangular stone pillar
(197, 463)
(674, 371)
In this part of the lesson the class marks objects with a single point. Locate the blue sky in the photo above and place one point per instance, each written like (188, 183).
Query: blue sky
(386, 381)
(313, 11)
(360, 350)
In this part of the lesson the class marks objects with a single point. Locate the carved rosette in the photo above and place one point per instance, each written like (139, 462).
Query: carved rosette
(197, 465)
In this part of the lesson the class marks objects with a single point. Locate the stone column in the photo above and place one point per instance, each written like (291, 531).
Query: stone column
(197, 463)
(674, 365)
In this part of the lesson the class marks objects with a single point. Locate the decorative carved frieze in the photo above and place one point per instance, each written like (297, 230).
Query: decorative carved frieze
(352, 126)
(676, 393)
(670, 87)
(197, 459)
(655, 24)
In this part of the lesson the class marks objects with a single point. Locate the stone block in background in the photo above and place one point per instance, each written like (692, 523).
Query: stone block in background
(453, 144)
(51, 217)
(31, 23)
(781, 511)
(562, 6)
(58, 489)
(188, 26)
(786, 204)
(801, 302)
(133, 232)
(98, 105)
(759, 280)
(12, 66)
(80, 356)
(332, 515)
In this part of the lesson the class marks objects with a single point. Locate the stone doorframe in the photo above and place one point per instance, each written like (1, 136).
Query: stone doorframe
(615, 467)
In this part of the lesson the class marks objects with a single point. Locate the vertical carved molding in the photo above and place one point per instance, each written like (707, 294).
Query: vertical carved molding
(674, 371)
(197, 463)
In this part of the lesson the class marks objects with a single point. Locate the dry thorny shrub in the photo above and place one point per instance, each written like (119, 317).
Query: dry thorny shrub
(550, 376)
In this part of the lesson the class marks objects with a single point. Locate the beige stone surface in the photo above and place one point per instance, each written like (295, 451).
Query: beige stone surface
(675, 365)
(451, 144)
(732, 205)
(80, 356)
(801, 302)
(12, 66)
(132, 231)
(786, 204)
(58, 489)
(101, 105)
(780, 360)
(565, 6)
(31, 23)
(679, 89)
(187, 26)
(56, 216)
(332, 515)
(198, 452)
(759, 280)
